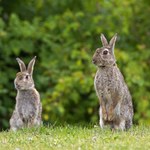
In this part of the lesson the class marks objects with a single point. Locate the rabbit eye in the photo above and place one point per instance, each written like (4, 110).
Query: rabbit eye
(27, 77)
(105, 52)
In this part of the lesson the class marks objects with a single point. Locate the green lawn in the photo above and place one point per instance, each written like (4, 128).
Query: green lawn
(75, 138)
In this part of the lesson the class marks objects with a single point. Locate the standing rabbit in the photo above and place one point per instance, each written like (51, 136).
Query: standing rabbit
(28, 107)
(115, 100)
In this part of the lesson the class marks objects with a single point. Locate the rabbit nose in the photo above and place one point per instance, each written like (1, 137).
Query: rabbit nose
(17, 86)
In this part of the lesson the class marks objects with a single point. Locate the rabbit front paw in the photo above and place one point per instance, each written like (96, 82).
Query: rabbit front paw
(104, 112)
(105, 116)
(111, 114)
(111, 117)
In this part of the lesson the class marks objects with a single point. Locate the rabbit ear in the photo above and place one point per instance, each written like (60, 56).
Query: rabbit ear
(104, 40)
(31, 66)
(112, 41)
(21, 64)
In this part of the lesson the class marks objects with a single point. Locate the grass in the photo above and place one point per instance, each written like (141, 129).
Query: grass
(75, 138)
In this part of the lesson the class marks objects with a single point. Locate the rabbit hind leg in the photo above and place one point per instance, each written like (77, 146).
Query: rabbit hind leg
(101, 122)
(15, 122)
(120, 126)
(37, 122)
(128, 124)
(115, 126)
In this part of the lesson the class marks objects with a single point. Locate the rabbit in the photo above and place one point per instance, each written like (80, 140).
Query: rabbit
(28, 107)
(116, 108)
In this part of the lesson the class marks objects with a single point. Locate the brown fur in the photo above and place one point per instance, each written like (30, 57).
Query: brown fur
(28, 107)
(115, 100)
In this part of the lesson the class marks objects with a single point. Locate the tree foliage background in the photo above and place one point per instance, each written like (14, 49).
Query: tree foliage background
(64, 35)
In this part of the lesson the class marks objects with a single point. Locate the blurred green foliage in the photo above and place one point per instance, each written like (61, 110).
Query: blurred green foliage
(64, 35)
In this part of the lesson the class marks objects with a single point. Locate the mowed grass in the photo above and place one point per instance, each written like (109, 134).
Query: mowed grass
(75, 138)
